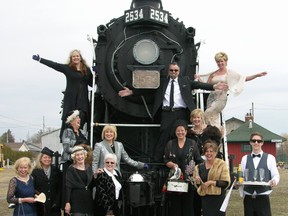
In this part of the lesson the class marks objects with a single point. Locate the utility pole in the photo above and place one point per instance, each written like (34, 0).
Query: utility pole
(43, 125)
(253, 114)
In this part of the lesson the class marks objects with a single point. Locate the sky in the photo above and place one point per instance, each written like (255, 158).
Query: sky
(252, 33)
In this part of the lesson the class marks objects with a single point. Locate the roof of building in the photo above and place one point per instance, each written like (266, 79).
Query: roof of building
(233, 119)
(17, 146)
(242, 134)
(34, 147)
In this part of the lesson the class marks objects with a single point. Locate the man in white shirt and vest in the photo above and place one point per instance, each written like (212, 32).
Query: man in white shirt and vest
(256, 200)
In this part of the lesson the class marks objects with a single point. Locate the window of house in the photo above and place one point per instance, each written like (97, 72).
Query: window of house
(246, 147)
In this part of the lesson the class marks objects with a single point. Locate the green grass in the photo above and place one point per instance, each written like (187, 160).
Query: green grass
(278, 198)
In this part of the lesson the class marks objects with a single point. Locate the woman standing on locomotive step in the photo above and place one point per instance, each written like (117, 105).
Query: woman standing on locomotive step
(78, 77)
(200, 132)
(182, 152)
(110, 145)
(217, 99)
(47, 180)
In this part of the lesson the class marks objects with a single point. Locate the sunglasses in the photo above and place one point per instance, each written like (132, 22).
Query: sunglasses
(254, 141)
(110, 162)
(173, 70)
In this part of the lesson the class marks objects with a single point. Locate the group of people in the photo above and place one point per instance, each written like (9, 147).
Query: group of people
(208, 178)
(74, 194)
(178, 147)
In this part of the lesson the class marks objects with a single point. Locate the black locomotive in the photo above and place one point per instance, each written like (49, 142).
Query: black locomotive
(134, 51)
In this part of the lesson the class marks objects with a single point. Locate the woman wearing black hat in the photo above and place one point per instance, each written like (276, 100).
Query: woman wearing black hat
(47, 180)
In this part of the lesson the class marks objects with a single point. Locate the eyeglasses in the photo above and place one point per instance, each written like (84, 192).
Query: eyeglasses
(173, 70)
(258, 141)
(110, 162)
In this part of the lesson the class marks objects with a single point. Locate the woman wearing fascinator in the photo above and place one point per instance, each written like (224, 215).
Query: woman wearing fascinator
(79, 185)
(72, 136)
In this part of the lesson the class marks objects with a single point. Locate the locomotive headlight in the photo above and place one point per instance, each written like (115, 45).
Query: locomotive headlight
(146, 51)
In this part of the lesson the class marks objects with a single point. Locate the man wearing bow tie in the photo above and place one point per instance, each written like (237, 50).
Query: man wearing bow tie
(256, 200)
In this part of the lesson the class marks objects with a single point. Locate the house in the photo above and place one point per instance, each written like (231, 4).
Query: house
(52, 140)
(20, 146)
(34, 148)
(25, 147)
(238, 139)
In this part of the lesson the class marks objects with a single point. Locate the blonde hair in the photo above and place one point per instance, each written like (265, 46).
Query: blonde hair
(83, 66)
(197, 112)
(39, 164)
(109, 127)
(221, 56)
(23, 161)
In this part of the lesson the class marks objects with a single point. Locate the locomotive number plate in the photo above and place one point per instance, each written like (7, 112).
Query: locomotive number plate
(134, 15)
(159, 15)
(146, 14)
(146, 79)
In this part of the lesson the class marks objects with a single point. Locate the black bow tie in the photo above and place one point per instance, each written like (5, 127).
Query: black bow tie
(256, 155)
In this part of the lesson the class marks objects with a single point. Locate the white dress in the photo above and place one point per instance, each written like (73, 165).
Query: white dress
(216, 102)
(217, 99)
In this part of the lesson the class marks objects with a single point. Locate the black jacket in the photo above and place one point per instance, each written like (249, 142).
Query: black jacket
(52, 188)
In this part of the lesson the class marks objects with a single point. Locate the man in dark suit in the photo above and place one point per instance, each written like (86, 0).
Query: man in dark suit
(176, 104)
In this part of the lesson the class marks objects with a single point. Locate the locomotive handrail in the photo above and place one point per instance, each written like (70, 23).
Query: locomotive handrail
(94, 86)
(129, 125)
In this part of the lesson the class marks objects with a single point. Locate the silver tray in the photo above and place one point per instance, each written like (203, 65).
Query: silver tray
(255, 183)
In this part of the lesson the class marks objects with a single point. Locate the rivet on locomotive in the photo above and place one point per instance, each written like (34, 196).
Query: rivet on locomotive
(134, 51)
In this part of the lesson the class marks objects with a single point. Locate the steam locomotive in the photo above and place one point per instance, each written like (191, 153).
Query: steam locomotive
(134, 51)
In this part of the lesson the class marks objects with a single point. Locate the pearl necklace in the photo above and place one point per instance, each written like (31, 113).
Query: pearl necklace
(24, 179)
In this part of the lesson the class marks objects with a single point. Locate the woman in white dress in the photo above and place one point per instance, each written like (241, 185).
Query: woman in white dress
(217, 99)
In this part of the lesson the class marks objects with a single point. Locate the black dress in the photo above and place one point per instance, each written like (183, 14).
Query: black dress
(79, 185)
(51, 187)
(211, 204)
(182, 203)
(76, 92)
